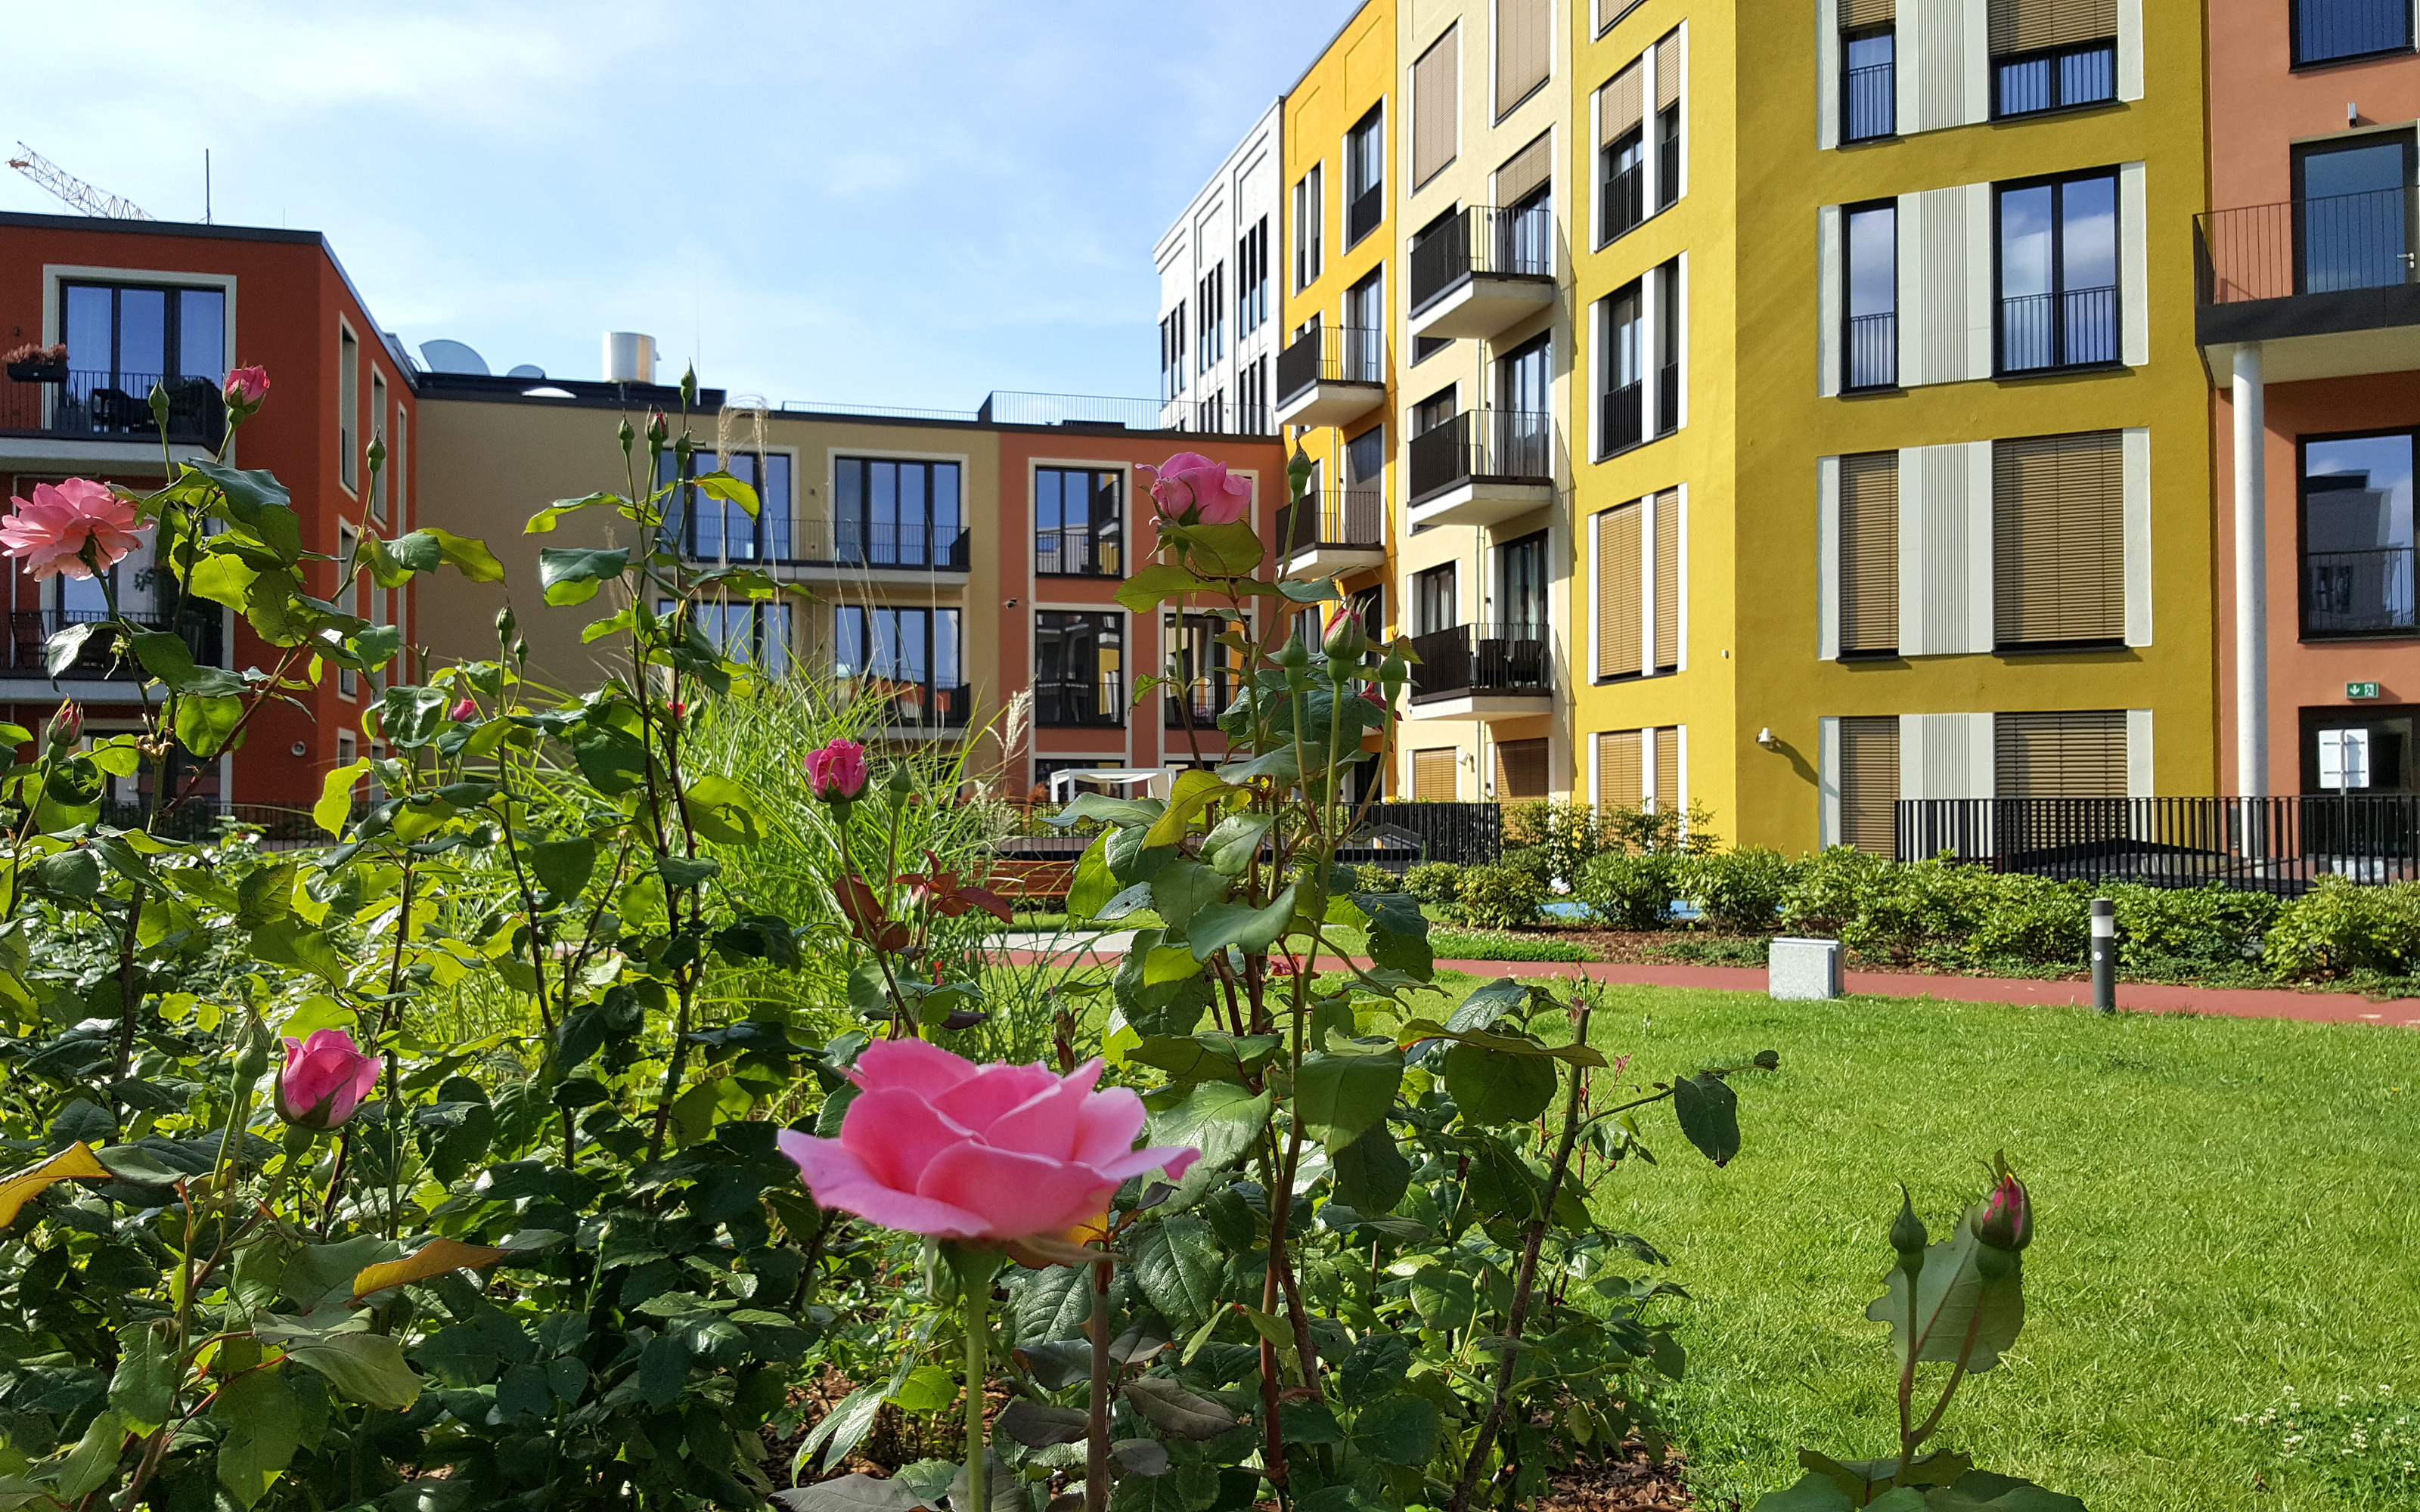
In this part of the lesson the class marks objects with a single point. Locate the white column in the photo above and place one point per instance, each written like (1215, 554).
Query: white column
(2251, 584)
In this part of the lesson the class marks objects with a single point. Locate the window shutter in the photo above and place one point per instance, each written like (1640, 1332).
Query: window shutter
(1530, 168)
(1668, 769)
(1619, 653)
(1619, 105)
(1869, 783)
(2077, 753)
(2058, 539)
(1869, 554)
(2029, 25)
(1667, 70)
(1667, 580)
(1524, 49)
(1621, 779)
(1855, 15)
(1521, 768)
(1433, 775)
(1433, 80)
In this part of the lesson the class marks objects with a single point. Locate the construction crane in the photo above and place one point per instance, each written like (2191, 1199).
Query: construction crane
(68, 187)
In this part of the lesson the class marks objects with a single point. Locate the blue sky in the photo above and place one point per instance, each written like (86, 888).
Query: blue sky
(900, 203)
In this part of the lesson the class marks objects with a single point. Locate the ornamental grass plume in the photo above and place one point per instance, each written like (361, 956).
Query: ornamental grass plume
(1191, 489)
(74, 527)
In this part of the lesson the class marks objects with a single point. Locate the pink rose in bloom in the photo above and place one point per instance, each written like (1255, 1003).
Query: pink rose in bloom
(935, 1144)
(1191, 489)
(464, 710)
(325, 1078)
(2007, 1221)
(837, 772)
(49, 530)
(247, 386)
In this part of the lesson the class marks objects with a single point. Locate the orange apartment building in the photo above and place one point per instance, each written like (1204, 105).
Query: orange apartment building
(2308, 319)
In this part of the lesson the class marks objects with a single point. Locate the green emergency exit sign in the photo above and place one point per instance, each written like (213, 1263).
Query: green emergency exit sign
(2361, 690)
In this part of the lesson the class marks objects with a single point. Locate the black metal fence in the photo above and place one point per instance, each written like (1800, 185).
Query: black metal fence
(1501, 445)
(2278, 845)
(1483, 239)
(1481, 658)
(2074, 327)
(1465, 834)
(2321, 245)
(1353, 517)
(1869, 101)
(1331, 354)
(115, 405)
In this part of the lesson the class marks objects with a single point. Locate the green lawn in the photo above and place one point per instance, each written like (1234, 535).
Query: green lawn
(2229, 1209)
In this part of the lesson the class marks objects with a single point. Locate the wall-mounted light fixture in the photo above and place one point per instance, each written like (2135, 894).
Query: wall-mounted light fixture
(1764, 738)
(299, 750)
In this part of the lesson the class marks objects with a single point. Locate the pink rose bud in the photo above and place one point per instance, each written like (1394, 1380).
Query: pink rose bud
(935, 1144)
(52, 530)
(464, 710)
(66, 726)
(1191, 489)
(1342, 637)
(2007, 1221)
(246, 386)
(836, 772)
(323, 1080)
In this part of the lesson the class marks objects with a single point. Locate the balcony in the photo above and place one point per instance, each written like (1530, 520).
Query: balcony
(1481, 467)
(920, 710)
(29, 630)
(2359, 595)
(818, 549)
(1362, 216)
(2325, 286)
(1062, 703)
(1198, 703)
(1481, 271)
(1335, 531)
(1078, 551)
(113, 407)
(2044, 333)
(1869, 102)
(1330, 375)
(1482, 671)
(1871, 352)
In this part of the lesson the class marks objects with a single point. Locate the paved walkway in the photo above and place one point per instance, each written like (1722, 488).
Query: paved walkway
(2141, 997)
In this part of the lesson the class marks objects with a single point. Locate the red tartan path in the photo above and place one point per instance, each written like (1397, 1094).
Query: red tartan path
(2140, 997)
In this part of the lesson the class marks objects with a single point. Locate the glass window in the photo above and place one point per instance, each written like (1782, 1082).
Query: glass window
(1363, 358)
(2357, 536)
(2058, 273)
(1435, 606)
(1365, 168)
(2055, 78)
(888, 514)
(121, 339)
(720, 529)
(1870, 351)
(1623, 418)
(1521, 585)
(1078, 669)
(2352, 227)
(1869, 83)
(1077, 523)
(2327, 30)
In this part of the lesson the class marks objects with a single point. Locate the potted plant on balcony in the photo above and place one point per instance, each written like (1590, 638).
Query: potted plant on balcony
(35, 364)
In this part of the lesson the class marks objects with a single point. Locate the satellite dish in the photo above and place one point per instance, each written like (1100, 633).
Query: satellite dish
(527, 370)
(452, 357)
(547, 390)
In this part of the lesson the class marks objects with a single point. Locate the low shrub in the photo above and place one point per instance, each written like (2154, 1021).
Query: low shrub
(1498, 897)
(1533, 860)
(1632, 891)
(1739, 890)
(2032, 919)
(2163, 930)
(2339, 927)
(1830, 890)
(1371, 877)
(1433, 882)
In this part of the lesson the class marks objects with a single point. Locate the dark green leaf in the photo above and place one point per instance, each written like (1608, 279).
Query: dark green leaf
(1171, 1409)
(1037, 1426)
(264, 1427)
(1338, 1096)
(1179, 1268)
(1490, 1087)
(1709, 1112)
(1253, 931)
(1398, 1430)
(1372, 1174)
(572, 575)
(563, 866)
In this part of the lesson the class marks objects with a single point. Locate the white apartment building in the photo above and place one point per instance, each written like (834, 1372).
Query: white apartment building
(1219, 298)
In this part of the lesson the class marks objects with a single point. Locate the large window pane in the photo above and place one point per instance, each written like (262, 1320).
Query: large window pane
(2357, 536)
(2326, 29)
(201, 333)
(1872, 297)
(142, 335)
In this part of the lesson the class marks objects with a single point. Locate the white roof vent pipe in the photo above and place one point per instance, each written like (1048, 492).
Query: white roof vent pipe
(629, 357)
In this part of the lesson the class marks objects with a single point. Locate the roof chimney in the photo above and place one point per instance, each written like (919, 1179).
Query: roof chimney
(629, 357)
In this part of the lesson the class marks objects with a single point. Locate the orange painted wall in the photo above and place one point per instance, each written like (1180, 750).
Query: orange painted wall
(2260, 104)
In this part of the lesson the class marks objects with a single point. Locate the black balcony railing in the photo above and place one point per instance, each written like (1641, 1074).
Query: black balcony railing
(1331, 354)
(2359, 593)
(2055, 78)
(1622, 201)
(2075, 328)
(2279, 845)
(1482, 239)
(1079, 701)
(2327, 246)
(1623, 418)
(1481, 658)
(1668, 398)
(1362, 216)
(30, 630)
(1096, 413)
(820, 541)
(1872, 353)
(1076, 551)
(1198, 702)
(113, 405)
(1355, 516)
(1869, 102)
(1481, 445)
(2327, 30)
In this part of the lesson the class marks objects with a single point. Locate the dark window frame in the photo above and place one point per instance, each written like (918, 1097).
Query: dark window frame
(1424, 597)
(2302, 524)
(2055, 56)
(1848, 94)
(2297, 63)
(1359, 138)
(1849, 317)
(939, 552)
(1114, 536)
(1609, 344)
(2058, 181)
(1055, 713)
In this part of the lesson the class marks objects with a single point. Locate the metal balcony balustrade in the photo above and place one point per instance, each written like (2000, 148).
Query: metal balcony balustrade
(1198, 702)
(1621, 201)
(1078, 551)
(1489, 445)
(2073, 328)
(1622, 418)
(1331, 354)
(1668, 398)
(1062, 703)
(1362, 216)
(1481, 239)
(2332, 244)
(1872, 351)
(1465, 660)
(819, 540)
(2358, 595)
(920, 706)
(1869, 102)
(2275, 844)
(1354, 516)
(114, 406)
(30, 630)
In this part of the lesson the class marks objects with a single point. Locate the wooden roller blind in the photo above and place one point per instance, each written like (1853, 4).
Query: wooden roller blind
(1869, 553)
(1667, 580)
(2072, 753)
(1433, 81)
(1869, 783)
(1858, 14)
(1433, 774)
(1521, 768)
(1619, 104)
(1621, 777)
(1667, 70)
(2059, 543)
(1619, 653)
(2027, 25)
(1668, 769)
(1524, 49)
(1527, 172)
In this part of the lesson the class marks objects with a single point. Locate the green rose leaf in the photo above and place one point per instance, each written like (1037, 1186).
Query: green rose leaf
(1954, 1301)
(1491, 1086)
(368, 1368)
(563, 866)
(1253, 931)
(1709, 1112)
(1179, 1267)
(264, 1427)
(1372, 1174)
(1339, 1096)
(1397, 1430)
(1093, 886)
(143, 1391)
(1147, 589)
(572, 575)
